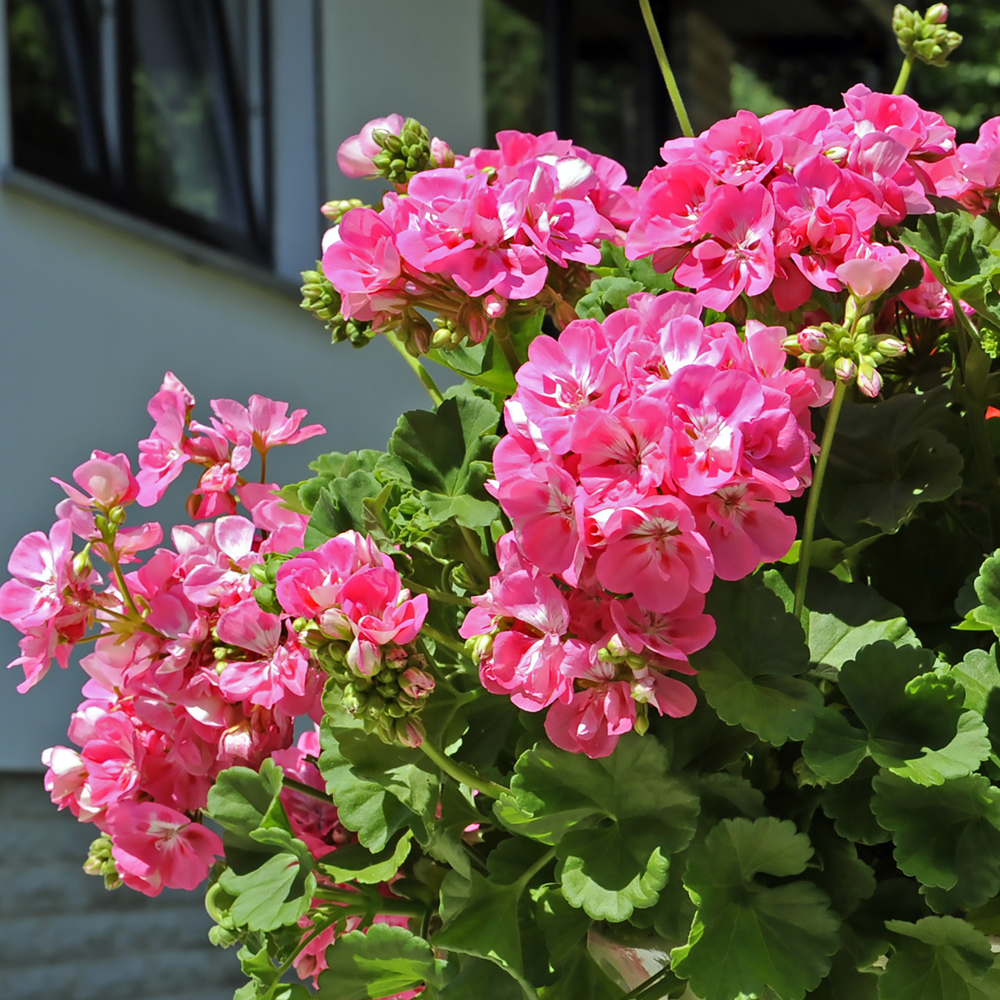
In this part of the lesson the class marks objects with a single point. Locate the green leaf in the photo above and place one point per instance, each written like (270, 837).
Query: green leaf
(378, 788)
(887, 459)
(947, 836)
(439, 450)
(938, 958)
(900, 711)
(843, 618)
(273, 895)
(980, 679)
(382, 961)
(848, 804)
(345, 505)
(352, 863)
(241, 798)
(745, 670)
(486, 923)
(750, 934)
(963, 755)
(613, 820)
(478, 977)
(605, 296)
(987, 586)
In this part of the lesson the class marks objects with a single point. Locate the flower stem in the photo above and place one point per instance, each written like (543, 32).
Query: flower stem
(501, 334)
(462, 774)
(532, 870)
(904, 75)
(435, 595)
(812, 507)
(421, 372)
(300, 786)
(668, 73)
(443, 640)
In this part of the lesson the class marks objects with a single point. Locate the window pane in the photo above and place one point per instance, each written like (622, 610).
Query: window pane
(55, 91)
(187, 114)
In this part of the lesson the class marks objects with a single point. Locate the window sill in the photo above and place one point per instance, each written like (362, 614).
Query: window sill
(188, 249)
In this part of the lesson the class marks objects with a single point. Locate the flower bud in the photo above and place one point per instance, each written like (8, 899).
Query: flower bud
(869, 380)
(845, 369)
(936, 14)
(891, 347)
(812, 340)
(82, 564)
(442, 154)
(337, 208)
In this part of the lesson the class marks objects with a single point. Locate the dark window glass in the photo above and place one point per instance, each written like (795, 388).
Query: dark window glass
(153, 105)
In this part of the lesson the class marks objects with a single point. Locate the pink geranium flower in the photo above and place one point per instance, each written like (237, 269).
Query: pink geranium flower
(156, 847)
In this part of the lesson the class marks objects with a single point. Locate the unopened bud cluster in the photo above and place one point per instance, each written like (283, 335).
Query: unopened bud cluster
(323, 300)
(845, 353)
(402, 155)
(100, 862)
(926, 37)
(388, 701)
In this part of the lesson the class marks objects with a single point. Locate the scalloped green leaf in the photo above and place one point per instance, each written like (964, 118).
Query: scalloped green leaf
(888, 458)
(353, 863)
(938, 958)
(240, 800)
(378, 789)
(376, 963)
(902, 714)
(848, 804)
(749, 934)
(986, 615)
(614, 820)
(746, 671)
(483, 920)
(947, 836)
(273, 895)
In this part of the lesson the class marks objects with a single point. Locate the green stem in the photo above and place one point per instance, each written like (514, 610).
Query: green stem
(975, 370)
(482, 568)
(108, 537)
(397, 907)
(501, 334)
(435, 595)
(443, 639)
(534, 869)
(421, 372)
(300, 786)
(812, 507)
(668, 73)
(462, 774)
(645, 987)
(904, 75)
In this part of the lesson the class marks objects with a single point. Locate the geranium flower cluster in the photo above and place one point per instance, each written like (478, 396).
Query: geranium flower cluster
(465, 240)
(188, 675)
(350, 605)
(645, 457)
(792, 202)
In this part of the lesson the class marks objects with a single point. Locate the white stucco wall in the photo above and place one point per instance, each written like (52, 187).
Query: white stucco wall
(91, 317)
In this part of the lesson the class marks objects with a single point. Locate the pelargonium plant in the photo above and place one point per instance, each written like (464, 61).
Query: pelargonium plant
(657, 659)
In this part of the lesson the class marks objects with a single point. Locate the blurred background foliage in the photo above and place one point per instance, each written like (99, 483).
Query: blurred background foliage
(568, 65)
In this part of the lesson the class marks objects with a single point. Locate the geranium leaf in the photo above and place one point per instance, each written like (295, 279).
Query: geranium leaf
(745, 670)
(276, 893)
(750, 934)
(947, 836)
(887, 459)
(352, 863)
(609, 871)
(484, 921)
(379, 962)
(962, 755)
(241, 798)
(614, 821)
(848, 804)
(938, 958)
(900, 711)
(843, 618)
(378, 789)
